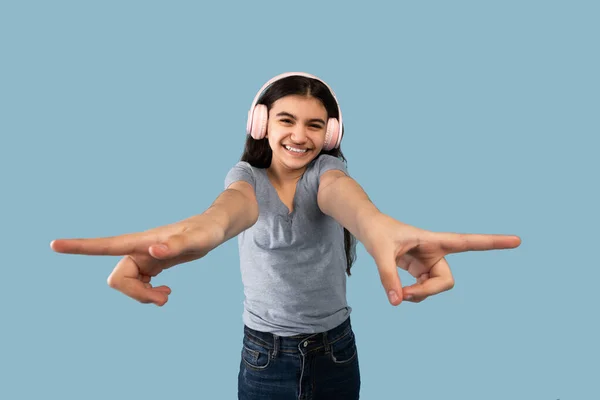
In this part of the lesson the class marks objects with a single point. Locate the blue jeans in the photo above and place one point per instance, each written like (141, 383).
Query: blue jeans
(320, 366)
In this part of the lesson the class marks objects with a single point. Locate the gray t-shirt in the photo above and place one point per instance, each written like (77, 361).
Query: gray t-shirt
(293, 265)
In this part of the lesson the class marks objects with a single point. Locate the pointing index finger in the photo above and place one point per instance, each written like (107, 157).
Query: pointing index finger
(461, 242)
(106, 246)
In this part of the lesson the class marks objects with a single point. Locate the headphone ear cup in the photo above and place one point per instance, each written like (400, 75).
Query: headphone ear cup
(258, 124)
(332, 134)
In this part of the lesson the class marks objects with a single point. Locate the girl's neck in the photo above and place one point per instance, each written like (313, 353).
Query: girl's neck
(284, 179)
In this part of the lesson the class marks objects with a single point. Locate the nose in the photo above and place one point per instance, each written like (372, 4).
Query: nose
(298, 134)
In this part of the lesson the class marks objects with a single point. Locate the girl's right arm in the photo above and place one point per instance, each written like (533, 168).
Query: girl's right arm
(234, 211)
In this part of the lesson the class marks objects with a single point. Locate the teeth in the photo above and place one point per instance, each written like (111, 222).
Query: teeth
(296, 150)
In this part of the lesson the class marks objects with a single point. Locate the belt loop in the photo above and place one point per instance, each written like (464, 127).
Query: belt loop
(325, 342)
(275, 345)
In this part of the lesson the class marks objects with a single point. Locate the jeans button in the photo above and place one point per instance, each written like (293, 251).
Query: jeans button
(305, 344)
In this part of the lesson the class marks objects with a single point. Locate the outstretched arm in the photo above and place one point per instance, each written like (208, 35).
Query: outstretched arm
(147, 254)
(343, 199)
(393, 244)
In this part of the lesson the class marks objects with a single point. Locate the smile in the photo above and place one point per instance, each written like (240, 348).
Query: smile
(295, 151)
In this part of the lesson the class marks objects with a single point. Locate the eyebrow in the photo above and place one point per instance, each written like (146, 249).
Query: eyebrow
(287, 114)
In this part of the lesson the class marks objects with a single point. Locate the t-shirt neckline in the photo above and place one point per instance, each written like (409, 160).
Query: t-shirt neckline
(285, 211)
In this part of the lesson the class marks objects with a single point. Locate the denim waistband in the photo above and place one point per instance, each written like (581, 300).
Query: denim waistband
(304, 342)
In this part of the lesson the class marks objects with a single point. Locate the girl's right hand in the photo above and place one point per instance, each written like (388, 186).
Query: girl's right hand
(144, 258)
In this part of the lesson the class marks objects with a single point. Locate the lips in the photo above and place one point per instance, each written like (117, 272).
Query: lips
(296, 153)
(299, 148)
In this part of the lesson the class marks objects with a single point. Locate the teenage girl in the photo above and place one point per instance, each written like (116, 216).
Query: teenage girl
(297, 215)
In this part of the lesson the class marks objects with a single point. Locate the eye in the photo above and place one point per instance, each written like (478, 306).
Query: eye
(317, 126)
(286, 120)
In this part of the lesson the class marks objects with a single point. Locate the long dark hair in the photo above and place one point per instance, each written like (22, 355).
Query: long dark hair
(258, 153)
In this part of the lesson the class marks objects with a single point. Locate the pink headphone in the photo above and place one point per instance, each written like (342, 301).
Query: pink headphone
(258, 115)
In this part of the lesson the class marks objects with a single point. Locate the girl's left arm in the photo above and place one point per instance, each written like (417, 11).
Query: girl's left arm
(394, 244)
(342, 198)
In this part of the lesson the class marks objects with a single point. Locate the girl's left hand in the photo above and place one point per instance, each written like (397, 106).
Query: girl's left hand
(393, 244)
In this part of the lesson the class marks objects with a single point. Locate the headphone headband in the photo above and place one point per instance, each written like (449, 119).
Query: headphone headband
(307, 75)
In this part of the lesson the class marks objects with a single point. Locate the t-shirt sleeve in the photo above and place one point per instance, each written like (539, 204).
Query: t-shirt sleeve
(242, 171)
(327, 162)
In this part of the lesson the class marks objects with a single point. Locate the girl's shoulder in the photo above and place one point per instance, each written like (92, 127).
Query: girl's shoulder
(242, 170)
(326, 162)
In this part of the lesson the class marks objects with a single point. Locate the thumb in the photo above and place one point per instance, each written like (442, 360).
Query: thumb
(174, 246)
(388, 273)
(193, 243)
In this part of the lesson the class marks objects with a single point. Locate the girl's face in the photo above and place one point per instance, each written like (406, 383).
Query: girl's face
(299, 122)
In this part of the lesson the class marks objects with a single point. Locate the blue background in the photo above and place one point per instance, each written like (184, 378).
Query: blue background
(464, 116)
